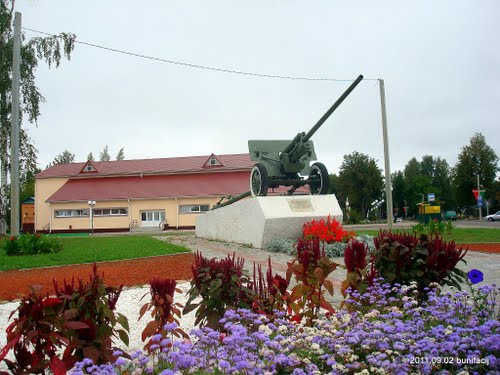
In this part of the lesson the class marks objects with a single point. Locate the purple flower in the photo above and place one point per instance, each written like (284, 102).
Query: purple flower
(475, 276)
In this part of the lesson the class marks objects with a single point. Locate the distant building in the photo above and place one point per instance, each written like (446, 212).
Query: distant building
(164, 193)
(28, 215)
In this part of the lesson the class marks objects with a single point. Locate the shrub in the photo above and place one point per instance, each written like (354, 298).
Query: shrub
(433, 228)
(403, 258)
(30, 244)
(163, 309)
(221, 284)
(56, 331)
(281, 245)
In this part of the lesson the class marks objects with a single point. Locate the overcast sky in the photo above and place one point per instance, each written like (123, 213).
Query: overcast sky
(440, 61)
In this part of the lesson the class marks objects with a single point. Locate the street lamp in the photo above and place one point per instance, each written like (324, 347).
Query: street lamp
(91, 205)
(406, 209)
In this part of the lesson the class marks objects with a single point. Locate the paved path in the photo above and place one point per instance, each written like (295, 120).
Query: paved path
(489, 264)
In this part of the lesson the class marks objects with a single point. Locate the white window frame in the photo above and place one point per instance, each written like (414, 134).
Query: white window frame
(193, 209)
(102, 212)
(71, 213)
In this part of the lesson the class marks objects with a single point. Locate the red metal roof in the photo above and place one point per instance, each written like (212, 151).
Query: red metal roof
(156, 186)
(190, 164)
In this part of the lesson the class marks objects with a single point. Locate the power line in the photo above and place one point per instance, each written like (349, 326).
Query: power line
(198, 66)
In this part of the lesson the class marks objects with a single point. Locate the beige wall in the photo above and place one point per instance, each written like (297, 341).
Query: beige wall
(45, 212)
(44, 188)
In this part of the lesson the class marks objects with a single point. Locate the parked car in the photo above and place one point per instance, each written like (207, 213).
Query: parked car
(450, 215)
(493, 217)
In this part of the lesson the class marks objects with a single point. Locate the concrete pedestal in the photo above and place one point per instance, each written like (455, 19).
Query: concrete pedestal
(257, 221)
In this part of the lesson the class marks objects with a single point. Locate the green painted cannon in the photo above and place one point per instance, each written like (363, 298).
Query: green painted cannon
(285, 162)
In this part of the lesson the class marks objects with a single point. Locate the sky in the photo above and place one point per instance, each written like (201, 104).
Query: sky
(439, 60)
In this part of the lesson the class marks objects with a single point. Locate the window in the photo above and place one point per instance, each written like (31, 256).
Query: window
(71, 213)
(196, 208)
(110, 211)
(89, 167)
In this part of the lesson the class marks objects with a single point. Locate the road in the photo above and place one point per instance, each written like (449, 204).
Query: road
(408, 224)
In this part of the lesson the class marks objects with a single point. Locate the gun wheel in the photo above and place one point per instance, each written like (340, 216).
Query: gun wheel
(259, 180)
(318, 179)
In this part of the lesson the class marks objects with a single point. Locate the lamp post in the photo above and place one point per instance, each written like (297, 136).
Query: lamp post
(406, 209)
(91, 205)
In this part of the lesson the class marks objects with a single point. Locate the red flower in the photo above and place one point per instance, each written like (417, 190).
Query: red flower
(12, 238)
(37, 235)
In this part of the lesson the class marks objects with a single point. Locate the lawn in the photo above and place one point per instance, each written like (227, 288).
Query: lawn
(461, 235)
(90, 249)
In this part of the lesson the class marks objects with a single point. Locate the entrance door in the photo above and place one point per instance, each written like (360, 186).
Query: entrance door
(152, 218)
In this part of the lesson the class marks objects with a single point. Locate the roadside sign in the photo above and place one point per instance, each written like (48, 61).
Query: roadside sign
(431, 197)
(480, 201)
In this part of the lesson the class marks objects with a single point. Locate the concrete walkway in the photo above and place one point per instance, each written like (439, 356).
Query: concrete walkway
(488, 263)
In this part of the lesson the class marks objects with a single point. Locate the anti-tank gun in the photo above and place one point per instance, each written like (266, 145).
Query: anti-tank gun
(285, 162)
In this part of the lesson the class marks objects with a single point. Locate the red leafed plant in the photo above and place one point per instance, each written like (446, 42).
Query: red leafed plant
(221, 284)
(355, 258)
(53, 332)
(402, 258)
(270, 292)
(163, 309)
(311, 269)
(327, 231)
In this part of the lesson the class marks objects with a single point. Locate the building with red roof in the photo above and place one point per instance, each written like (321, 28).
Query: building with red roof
(125, 194)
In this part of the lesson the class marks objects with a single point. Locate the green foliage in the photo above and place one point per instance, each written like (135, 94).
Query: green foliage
(89, 249)
(360, 179)
(31, 244)
(430, 175)
(50, 49)
(121, 154)
(433, 228)
(222, 284)
(55, 332)
(281, 245)
(475, 158)
(64, 157)
(104, 155)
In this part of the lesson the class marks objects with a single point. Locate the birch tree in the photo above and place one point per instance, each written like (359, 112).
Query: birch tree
(51, 50)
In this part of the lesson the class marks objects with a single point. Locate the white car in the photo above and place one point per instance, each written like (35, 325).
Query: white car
(493, 217)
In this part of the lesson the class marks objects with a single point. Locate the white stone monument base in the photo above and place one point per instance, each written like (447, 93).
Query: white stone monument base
(256, 221)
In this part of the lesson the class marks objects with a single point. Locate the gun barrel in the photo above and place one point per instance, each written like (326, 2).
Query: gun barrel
(332, 108)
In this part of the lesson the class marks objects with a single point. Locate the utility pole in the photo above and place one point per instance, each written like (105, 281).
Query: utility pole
(14, 137)
(388, 182)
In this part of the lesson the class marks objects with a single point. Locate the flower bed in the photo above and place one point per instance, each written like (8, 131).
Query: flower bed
(264, 324)
(446, 334)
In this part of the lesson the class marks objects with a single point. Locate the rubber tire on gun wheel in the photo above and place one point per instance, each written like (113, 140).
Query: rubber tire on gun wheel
(319, 173)
(259, 180)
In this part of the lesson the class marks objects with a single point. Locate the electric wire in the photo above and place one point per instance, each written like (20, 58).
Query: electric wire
(205, 67)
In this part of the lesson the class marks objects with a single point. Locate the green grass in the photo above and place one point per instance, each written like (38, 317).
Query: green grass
(461, 235)
(91, 249)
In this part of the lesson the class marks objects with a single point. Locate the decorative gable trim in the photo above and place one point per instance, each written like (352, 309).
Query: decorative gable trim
(89, 167)
(213, 162)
